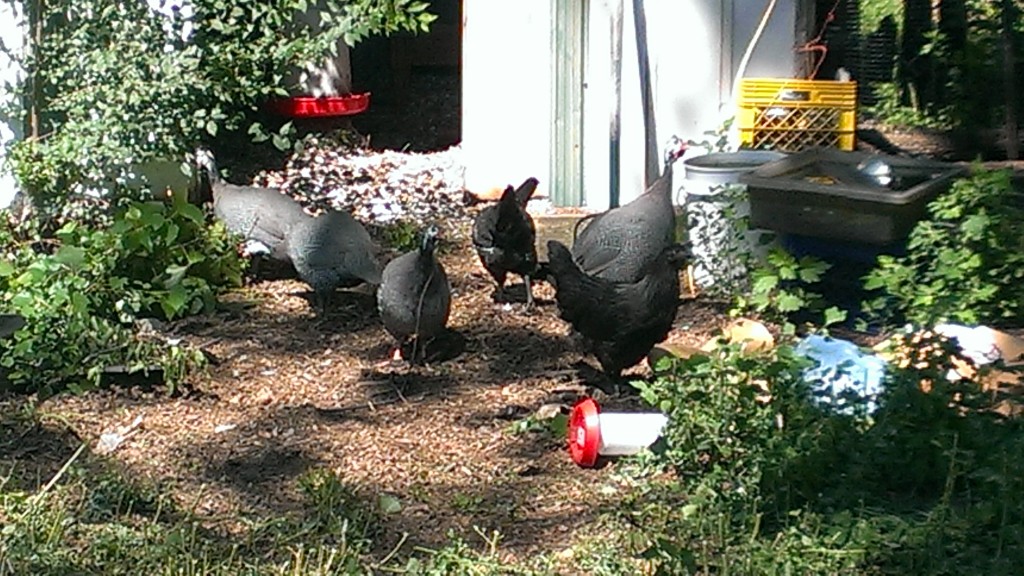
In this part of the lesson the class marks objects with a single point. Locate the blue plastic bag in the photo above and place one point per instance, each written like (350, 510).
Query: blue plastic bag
(842, 370)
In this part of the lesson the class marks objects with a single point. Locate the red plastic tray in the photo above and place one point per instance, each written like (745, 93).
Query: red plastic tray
(313, 107)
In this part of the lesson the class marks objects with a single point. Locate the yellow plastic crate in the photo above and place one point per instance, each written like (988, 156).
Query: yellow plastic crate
(790, 115)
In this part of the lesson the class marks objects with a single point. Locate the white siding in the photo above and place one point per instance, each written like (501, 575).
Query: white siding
(506, 92)
(12, 33)
(695, 47)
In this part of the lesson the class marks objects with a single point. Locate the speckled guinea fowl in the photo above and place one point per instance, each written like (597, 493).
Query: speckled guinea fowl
(504, 237)
(331, 251)
(619, 243)
(620, 322)
(262, 216)
(414, 298)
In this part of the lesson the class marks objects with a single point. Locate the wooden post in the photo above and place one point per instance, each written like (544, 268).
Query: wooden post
(569, 25)
(652, 163)
(35, 23)
(615, 129)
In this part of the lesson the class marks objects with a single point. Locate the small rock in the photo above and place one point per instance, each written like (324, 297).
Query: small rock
(528, 470)
(263, 397)
(549, 411)
(512, 411)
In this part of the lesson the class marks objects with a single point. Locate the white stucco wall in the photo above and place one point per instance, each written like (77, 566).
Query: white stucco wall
(12, 34)
(695, 47)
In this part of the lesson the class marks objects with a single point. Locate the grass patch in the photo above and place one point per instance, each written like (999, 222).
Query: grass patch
(91, 520)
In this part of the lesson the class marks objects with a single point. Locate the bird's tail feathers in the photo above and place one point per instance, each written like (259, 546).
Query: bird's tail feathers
(525, 191)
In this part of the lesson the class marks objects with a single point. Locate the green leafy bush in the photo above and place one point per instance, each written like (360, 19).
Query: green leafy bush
(782, 285)
(891, 111)
(82, 290)
(964, 263)
(767, 481)
(117, 84)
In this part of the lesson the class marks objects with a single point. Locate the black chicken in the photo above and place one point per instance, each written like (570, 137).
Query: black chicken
(505, 238)
(618, 244)
(620, 322)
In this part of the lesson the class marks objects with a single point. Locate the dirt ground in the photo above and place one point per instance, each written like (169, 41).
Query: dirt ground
(290, 392)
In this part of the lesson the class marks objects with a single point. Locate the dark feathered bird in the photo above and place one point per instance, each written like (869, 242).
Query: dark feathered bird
(414, 298)
(505, 238)
(620, 322)
(619, 243)
(263, 217)
(333, 251)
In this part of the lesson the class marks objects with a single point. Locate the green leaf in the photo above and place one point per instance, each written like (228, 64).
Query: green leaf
(175, 273)
(191, 212)
(6, 268)
(789, 302)
(388, 504)
(975, 224)
(280, 142)
(765, 284)
(559, 426)
(70, 256)
(173, 301)
(834, 315)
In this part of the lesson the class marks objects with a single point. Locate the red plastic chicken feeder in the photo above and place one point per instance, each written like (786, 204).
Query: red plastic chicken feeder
(320, 107)
(593, 433)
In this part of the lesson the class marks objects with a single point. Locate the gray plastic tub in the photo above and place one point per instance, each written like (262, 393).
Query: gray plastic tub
(820, 192)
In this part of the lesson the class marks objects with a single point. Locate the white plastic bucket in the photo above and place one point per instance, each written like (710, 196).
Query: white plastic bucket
(710, 222)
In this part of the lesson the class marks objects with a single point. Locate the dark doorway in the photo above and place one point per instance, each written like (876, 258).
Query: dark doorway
(416, 84)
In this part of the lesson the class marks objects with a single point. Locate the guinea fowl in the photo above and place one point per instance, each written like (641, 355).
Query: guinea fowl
(262, 216)
(330, 251)
(505, 238)
(620, 322)
(414, 298)
(618, 244)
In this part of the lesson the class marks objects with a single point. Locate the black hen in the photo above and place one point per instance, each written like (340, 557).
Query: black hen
(505, 238)
(618, 244)
(620, 322)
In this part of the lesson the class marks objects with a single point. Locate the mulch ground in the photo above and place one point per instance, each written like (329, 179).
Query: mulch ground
(290, 392)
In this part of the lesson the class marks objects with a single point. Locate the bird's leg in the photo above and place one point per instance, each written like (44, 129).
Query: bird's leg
(320, 303)
(611, 384)
(254, 268)
(499, 295)
(529, 291)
